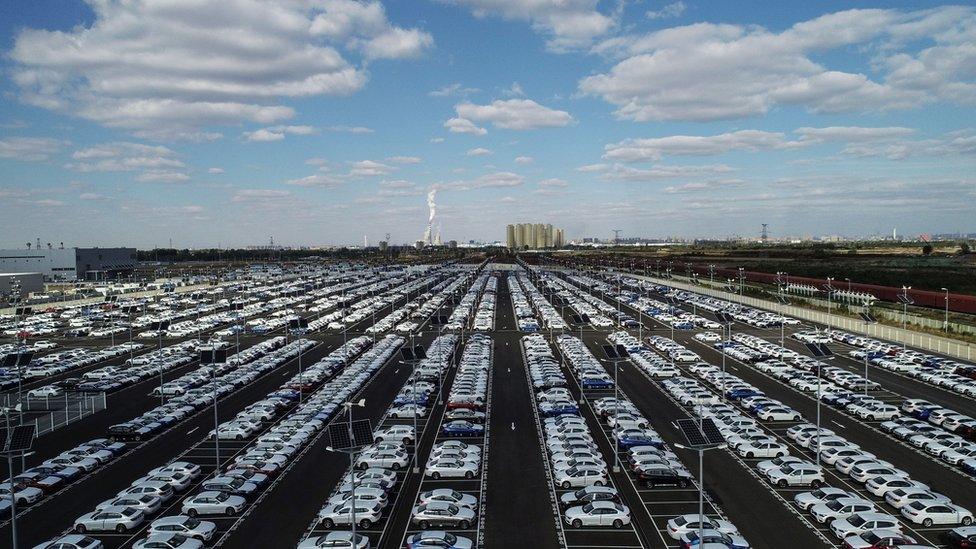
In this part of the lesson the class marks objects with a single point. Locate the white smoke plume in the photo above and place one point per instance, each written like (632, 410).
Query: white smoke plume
(431, 205)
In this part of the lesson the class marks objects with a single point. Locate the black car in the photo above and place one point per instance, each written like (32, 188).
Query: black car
(962, 537)
(662, 475)
(583, 496)
(128, 431)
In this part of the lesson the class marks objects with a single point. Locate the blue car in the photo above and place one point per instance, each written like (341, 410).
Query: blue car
(627, 442)
(558, 410)
(924, 412)
(596, 383)
(739, 394)
(969, 466)
(462, 428)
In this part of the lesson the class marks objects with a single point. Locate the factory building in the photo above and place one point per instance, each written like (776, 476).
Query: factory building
(534, 235)
(70, 263)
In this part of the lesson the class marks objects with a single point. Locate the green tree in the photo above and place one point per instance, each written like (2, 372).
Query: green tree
(964, 247)
(927, 249)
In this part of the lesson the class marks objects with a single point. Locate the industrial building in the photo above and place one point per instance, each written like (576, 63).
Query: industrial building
(534, 235)
(70, 263)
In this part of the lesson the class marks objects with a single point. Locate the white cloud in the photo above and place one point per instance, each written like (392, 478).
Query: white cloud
(620, 172)
(568, 24)
(168, 70)
(674, 9)
(852, 133)
(369, 168)
(653, 149)
(349, 129)
(637, 150)
(455, 89)
(257, 195)
(515, 90)
(31, 149)
(162, 176)
(479, 151)
(514, 114)
(155, 164)
(364, 26)
(463, 125)
(710, 71)
(553, 182)
(277, 133)
(699, 186)
(507, 200)
(436, 139)
(524, 160)
(405, 159)
(215, 171)
(89, 196)
(491, 180)
(316, 180)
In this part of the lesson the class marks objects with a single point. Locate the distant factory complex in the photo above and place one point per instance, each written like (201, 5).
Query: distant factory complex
(534, 236)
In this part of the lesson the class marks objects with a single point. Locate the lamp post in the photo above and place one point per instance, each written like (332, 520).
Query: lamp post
(945, 323)
(830, 294)
(352, 451)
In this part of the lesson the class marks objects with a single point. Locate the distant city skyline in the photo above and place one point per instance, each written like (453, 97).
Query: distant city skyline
(334, 122)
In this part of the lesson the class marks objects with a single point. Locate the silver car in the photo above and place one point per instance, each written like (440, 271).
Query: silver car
(213, 503)
(146, 503)
(450, 496)
(168, 541)
(181, 524)
(441, 513)
(109, 519)
(335, 539)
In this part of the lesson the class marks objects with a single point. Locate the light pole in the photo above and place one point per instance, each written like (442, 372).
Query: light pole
(945, 323)
(352, 451)
(830, 293)
(701, 478)
(819, 396)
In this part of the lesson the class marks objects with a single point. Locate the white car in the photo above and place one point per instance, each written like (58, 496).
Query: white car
(598, 513)
(449, 468)
(396, 433)
(779, 413)
(806, 500)
(367, 514)
(109, 519)
(796, 475)
(395, 459)
(183, 525)
(762, 449)
(882, 484)
(681, 525)
(901, 497)
(862, 522)
(928, 514)
(827, 512)
(212, 503)
(49, 391)
(578, 477)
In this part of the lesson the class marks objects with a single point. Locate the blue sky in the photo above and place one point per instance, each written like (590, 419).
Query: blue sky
(323, 121)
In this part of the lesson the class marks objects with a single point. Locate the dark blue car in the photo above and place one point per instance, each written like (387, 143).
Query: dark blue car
(739, 394)
(627, 442)
(462, 428)
(597, 383)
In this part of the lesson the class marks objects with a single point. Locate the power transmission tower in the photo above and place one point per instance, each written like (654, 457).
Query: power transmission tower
(764, 237)
(616, 236)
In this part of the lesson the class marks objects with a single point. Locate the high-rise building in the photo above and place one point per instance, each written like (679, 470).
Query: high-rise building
(534, 235)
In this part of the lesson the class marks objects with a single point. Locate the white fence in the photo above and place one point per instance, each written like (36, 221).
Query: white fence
(948, 347)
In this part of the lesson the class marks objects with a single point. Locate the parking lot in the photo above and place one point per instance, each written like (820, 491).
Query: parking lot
(521, 414)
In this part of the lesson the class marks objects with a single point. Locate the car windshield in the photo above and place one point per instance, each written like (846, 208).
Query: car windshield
(130, 512)
(588, 508)
(856, 520)
(191, 523)
(835, 505)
